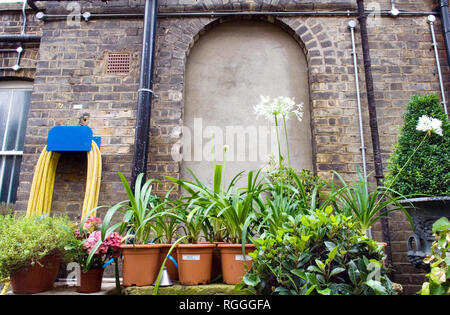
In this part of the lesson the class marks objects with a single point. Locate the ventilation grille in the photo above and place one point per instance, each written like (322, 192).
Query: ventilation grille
(118, 64)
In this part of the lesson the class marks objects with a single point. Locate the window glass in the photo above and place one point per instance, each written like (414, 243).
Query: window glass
(14, 106)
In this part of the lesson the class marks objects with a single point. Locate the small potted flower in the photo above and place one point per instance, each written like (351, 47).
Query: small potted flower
(420, 166)
(87, 234)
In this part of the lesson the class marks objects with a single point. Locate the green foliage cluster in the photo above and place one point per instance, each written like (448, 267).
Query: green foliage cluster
(25, 240)
(428, 170)
(317, 253)
(439, 260)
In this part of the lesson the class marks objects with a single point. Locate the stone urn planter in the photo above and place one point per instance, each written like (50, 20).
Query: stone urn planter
(426, 211)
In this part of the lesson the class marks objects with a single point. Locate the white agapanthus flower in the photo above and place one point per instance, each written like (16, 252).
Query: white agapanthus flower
(278, 107)
(429, 124)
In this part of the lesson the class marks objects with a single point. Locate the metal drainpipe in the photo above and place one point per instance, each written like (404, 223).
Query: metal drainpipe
(431, 20)
(445, 20)
(352, 26)
(362, 18)
(141, 138)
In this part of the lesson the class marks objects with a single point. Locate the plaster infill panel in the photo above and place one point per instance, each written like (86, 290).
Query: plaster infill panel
(226, 72)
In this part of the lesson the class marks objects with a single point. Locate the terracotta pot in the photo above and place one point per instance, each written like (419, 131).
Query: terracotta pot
(140, 264)
(91, 281)
(233, 262)
(36, 278)
(194, 263)
(171, 267)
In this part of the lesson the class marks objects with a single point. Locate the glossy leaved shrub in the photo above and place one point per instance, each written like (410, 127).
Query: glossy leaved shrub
(317, 253)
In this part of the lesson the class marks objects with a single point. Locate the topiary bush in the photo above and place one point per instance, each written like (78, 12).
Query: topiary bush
(428, 170)
(25, 240)
(317, 253)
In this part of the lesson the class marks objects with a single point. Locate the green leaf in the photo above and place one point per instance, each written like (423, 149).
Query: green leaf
(332, 254)
(441, 225)
(326, 291)
(376, 286)
(336, 271)
(251, 279)
(320, 264)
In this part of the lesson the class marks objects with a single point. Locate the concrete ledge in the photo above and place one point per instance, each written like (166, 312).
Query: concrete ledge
(177, 289)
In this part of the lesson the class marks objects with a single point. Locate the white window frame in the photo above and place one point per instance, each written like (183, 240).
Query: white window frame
(15, 86)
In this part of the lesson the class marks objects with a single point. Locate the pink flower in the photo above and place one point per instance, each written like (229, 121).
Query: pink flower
(92, 223)
(89, 244)
(110, 245)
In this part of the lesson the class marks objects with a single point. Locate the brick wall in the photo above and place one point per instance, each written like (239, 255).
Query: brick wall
(70, 69)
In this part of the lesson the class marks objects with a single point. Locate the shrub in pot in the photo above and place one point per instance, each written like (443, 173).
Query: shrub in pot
(420, 165)
(32, 249)
(87, 234)
(318, 252)
(141, 256)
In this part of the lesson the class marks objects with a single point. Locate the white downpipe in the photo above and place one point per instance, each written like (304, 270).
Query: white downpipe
(431, 20)
(352, 25)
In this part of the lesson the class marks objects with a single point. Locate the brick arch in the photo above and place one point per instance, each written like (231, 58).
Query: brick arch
(174, 41)
(305, 34)
(178, 36)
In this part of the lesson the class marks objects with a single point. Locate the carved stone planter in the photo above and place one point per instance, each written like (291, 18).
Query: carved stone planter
(425, 212)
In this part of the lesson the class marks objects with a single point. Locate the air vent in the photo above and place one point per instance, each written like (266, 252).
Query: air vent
(118, 64)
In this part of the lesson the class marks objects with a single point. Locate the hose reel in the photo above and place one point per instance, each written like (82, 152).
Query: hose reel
(62, 139)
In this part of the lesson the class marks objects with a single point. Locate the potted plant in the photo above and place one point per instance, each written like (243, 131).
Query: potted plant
(32, 249)
(87, 233)
(141, 258)
(194, 258)
(420, 165)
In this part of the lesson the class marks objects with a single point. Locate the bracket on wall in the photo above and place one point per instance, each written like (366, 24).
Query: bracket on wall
(71, 139)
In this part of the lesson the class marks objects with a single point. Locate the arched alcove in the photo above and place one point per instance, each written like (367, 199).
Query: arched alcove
(227, 70)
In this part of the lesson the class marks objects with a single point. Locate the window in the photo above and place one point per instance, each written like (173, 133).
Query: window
(14, 105)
